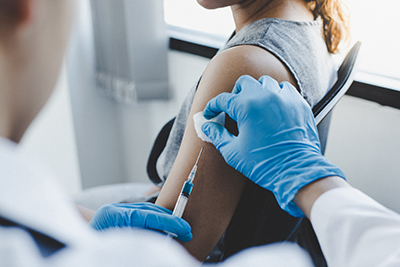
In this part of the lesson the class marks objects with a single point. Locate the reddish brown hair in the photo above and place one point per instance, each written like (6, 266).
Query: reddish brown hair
(335, 17)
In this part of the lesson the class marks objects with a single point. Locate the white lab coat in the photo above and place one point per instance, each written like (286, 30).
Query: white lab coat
(28, 196)
(355, 230)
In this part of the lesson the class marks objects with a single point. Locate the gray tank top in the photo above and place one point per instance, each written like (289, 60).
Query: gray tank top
(299, 45)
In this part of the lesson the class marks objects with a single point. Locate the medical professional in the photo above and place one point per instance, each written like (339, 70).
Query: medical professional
(37, 220)
(39, 224)
(278, 149)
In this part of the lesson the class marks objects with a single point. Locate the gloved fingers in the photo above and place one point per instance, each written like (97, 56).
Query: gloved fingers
(288, 87)
(143, 206)
(103, 218)
(243, 83)
(142, 215)
(217, 105)
(289, 91)
(227, 103)
(218, 134)
(168, 223)
(96, 224)
(269, 83)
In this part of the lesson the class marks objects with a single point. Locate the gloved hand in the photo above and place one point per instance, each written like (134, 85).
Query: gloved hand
(278, 146)
(142, 215)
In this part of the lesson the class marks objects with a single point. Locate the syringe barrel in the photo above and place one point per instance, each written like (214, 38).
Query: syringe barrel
(180, 206)
(187, 189)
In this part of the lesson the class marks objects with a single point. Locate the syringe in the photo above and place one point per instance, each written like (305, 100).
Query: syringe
(185, 192)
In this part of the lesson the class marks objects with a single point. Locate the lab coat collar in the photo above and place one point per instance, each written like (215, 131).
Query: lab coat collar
(29, 196)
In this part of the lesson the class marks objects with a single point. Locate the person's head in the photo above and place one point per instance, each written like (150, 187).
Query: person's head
(213, 4)
(33, 37)
(335, 16)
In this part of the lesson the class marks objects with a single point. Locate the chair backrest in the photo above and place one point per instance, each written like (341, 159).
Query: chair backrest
(346, 74)
(156, 150)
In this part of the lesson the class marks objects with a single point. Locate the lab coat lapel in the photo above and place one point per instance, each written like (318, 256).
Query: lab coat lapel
(29, 196)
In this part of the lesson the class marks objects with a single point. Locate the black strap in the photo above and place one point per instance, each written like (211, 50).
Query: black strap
(46, 245)
(156, 151)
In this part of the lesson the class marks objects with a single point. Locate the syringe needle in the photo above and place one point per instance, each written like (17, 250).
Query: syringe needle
(201, 151)
(194, 169)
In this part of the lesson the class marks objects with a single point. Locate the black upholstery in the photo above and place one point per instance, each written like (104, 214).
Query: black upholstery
(157, 149)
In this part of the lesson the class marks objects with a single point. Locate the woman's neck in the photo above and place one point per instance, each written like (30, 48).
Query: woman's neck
(248, 11)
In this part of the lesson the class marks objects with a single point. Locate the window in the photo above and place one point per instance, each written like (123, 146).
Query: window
(373, 22)
(189, 21)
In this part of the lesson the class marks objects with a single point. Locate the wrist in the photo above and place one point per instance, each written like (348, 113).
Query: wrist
(296, 172)
(306, 196)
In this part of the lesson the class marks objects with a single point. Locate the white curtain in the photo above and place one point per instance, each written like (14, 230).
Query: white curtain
(131, 49)
(118, 47)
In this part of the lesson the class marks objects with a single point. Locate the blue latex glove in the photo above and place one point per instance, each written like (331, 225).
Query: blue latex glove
(141, 215)
(278, 145)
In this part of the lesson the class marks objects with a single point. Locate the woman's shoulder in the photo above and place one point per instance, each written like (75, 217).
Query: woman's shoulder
(293, 50)
(247, 60)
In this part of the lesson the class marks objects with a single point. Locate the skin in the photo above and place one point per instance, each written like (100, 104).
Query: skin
(33, 39)
(218, 187)
(32, 45)
(306, 196)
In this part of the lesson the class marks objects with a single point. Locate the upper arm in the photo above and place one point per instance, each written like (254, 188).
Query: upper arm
(217, 186)
(224, 69)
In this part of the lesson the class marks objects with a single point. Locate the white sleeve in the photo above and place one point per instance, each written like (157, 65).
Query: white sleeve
(355, 230)
(274, 255)
(136, 248)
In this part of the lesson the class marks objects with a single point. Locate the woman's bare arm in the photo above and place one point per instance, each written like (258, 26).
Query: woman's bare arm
(217, 186)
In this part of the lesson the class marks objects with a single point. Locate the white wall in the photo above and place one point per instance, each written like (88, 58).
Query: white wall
(364, 140)
(109, 142)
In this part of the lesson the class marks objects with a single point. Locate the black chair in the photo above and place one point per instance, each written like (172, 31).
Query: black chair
(346, 74)
(156, 150)
(320, 110)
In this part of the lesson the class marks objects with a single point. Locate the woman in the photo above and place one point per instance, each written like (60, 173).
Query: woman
(289, 40)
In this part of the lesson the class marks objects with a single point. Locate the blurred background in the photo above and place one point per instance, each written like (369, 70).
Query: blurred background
(130, 64)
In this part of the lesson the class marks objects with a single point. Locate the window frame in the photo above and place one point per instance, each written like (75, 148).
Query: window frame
(369, 86)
